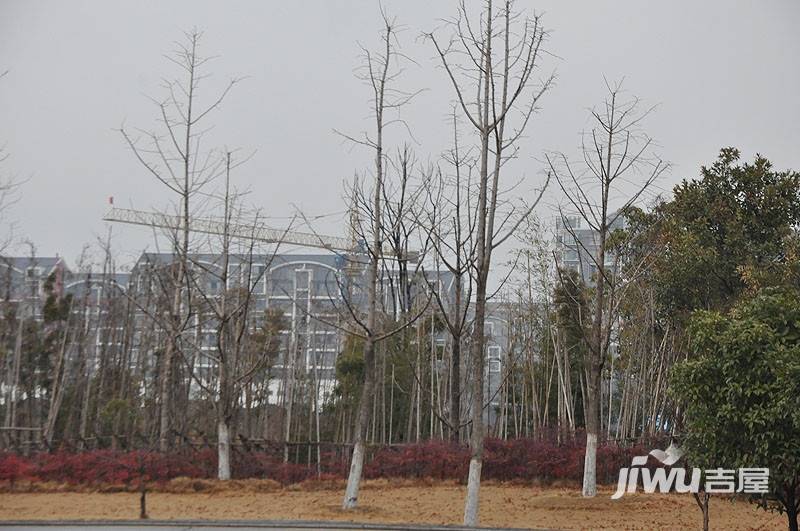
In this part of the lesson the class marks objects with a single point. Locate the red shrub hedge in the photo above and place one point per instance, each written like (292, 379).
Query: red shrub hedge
(517, 459)
(433, 459)
(106, 466)
(13, 468)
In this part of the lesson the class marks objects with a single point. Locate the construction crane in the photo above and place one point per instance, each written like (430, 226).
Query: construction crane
(256, 232)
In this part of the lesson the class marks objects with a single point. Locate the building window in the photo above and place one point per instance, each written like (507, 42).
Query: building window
(494, 367)
(440, 348)
(493, 352)
(302, 279)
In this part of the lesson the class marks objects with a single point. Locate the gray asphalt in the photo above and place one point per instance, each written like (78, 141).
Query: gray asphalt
(238, 525)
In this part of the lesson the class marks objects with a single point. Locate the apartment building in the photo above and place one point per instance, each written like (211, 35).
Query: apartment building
(577, 244)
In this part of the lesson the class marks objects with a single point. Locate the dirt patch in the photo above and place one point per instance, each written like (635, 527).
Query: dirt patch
(395, 502)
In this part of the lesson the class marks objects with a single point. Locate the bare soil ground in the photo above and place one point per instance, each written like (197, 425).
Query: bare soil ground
(502, 505)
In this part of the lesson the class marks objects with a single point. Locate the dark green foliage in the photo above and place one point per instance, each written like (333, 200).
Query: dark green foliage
(741, 391)
(56, 308)
(725, 233)
(350, 370)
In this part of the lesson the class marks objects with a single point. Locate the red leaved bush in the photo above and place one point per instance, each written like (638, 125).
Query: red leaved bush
(13, 468)
(432, 459)
(510, 460)
(529, 459)
(109, 467)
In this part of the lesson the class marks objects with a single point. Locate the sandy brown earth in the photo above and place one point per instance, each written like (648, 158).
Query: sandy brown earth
(501, 506)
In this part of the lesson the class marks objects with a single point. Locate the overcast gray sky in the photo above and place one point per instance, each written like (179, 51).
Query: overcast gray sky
(723, 73)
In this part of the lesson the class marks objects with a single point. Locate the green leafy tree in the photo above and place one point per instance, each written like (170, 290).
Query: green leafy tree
(349, 371)
(726, 234)
(741, 393)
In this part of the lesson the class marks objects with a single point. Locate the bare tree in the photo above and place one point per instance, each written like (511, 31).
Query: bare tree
(380, 75)
(229, 311)
(495, 59)
(174, 157)
(25, 314)
(400, 280)
(9, 188)
(616, 167)
(70, 336)
(9, 194)
(535, 333)
(450, 216)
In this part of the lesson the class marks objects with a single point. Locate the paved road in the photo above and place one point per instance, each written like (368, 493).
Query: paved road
(164, 525)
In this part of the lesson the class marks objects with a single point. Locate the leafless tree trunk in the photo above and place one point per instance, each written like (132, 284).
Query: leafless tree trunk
(379, 76)
(615, 149)
(378, 80)
(451, 218)
(702, 499)
(175, 159)
(58, 382)
(488, 46)
(24, 311)
(231, 311)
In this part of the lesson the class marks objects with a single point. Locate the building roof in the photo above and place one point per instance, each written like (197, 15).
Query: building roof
(23, 263)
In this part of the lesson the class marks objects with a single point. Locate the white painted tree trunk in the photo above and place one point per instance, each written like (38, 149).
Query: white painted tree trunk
(590, 466)
(354, 479)
(223, 451)
(473, 492)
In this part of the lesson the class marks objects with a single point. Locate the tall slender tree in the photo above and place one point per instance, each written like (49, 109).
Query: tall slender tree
(380, 73)
(614, 154)
(175, 158)
(501, 51)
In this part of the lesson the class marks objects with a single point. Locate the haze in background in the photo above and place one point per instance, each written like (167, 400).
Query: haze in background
(724, 73)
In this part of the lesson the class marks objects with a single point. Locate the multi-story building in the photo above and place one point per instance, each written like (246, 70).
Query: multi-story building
(577, 245)
(497, 333)
(301, 290)
(99, 302)
(313, 295)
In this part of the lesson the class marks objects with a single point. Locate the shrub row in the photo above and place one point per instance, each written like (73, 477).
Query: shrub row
(524, 460)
